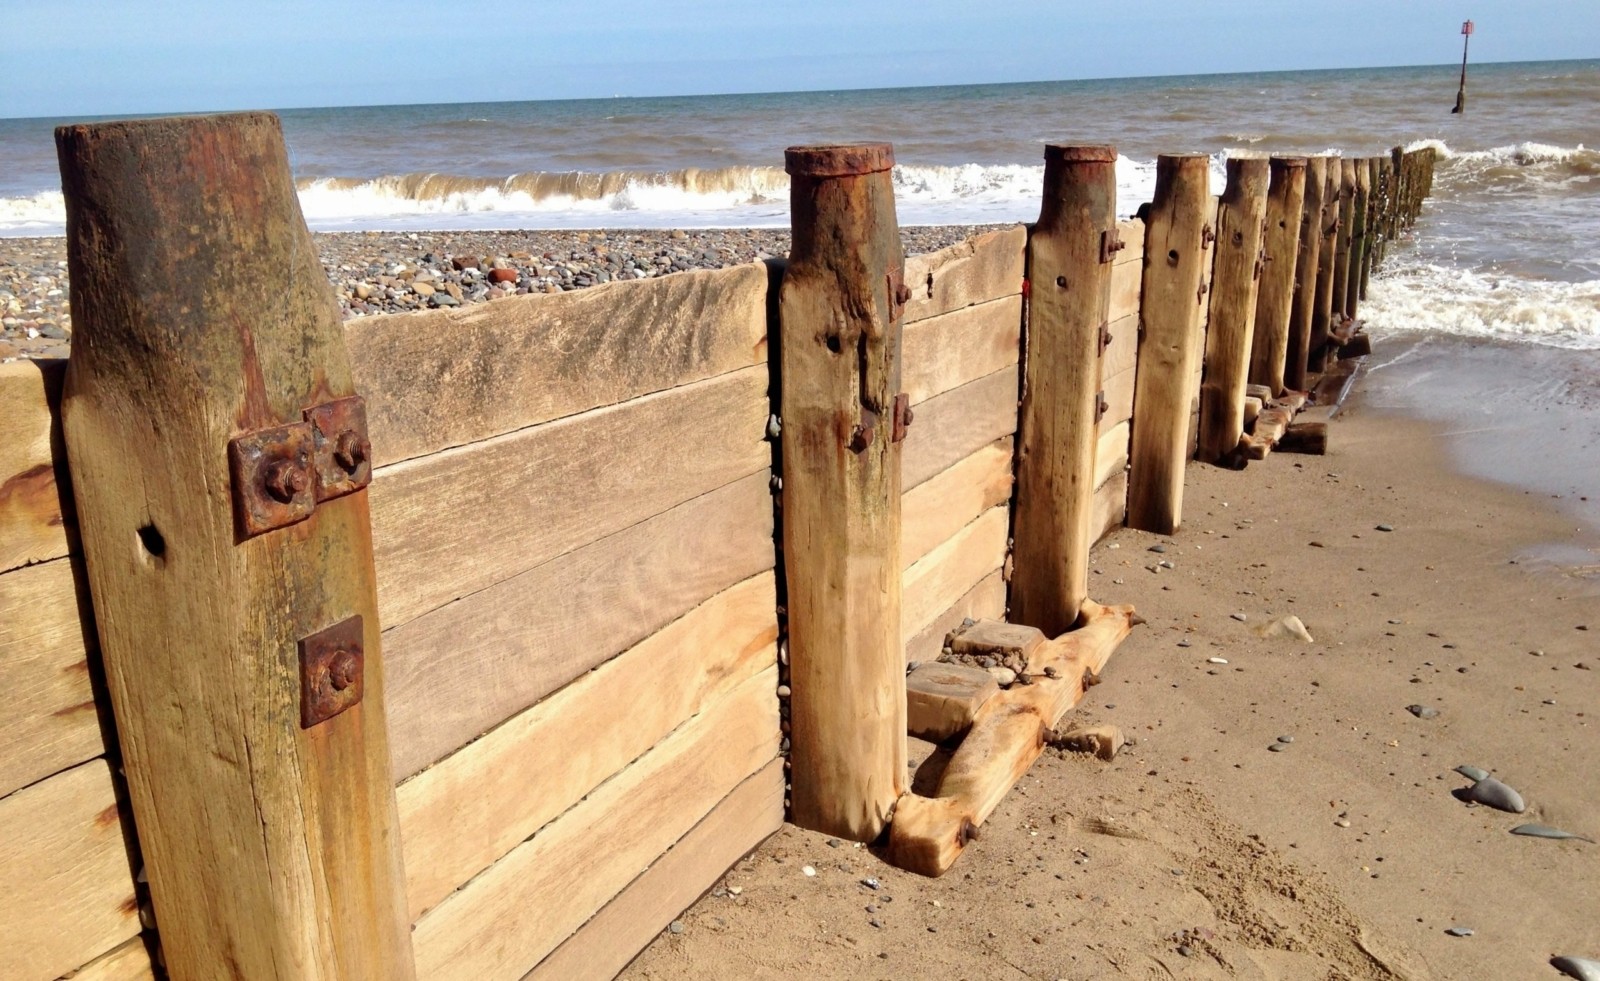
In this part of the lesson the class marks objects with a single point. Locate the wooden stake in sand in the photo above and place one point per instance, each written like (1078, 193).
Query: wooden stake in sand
(1302, 313)
(1323, 313)
(1235, 281)
(843, 420)
(1280, 254)
(1070, 252)
(1007, 735)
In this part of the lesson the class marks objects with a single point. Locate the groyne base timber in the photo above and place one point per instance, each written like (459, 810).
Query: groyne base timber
(562, 524)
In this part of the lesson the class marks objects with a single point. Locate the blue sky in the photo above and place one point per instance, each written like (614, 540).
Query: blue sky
(131, 56)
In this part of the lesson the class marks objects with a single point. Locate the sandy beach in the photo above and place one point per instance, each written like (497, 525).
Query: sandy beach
(1199, 853)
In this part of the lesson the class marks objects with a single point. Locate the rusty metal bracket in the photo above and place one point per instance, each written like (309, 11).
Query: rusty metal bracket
(861, 436)
(343, 452)
(1101, 406)
(331, 669)
(273, 478)
(1110, 244)
(1104, 338)
(902, 417)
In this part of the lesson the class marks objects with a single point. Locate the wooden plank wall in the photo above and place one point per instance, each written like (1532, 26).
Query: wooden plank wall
(70, 900)
(961, 362)
(1116, 381)
(572, 531)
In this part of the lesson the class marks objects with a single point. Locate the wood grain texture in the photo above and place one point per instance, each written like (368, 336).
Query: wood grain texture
(1280, 249)
(48, 719)
(1067, 309)
(983, 268)
(940, 578)
(129, 962)
(461, 816)
(1127, 278)
(32, 527)
(952, 349)
(1123, 351)
(201, 311)
(541, 629)
(1175, 264)
(450, 524)
(1230, 323)
(1110, 505)
(1111, 453)
(986, 599)
(603, 947)
(951, 427)
(1303, 312)
(1322, 311)
(1132, 234)
(1119, 390)
(1358, 235)
(69, 891)
(935, 510)
(526, 360)
(508, 919)
(1347, 227)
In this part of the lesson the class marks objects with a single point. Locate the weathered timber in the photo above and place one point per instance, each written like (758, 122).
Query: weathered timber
(1335, 385)
(1110, 505)
(943, 699)
(1175, 261)
(1323, 313)
(457, 818)
(1230, 324)
(928, 834)
(1343, 259)
(986, 599)
(1308, 433)
(1118, 393)
(945, 352)
(612, 594)
(201, 312)
(1122, 353)
(949, 428)
(603, 946)
(530, 359)
(936, 510)
(129, 962)
(1127, 277)
(1358, 346)
(1280, 255)
(1252, 408)
(983, 268)
(69, 892)
(842, 304)
(945, 574)
(1069, 269)
(1111, 453)
(1302, 313)
(1369, 191)
(32, 505)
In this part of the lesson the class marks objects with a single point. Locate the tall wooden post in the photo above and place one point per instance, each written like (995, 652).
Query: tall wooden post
(1235, 282)
(235, 604)
(1070, 252)
(1303, 313)
(1369, 228)
(1397, 157)
(1347, 222)
(841, 303)
(1171, 306)
(1280, 255)
(1323, 312)
(1358, 236)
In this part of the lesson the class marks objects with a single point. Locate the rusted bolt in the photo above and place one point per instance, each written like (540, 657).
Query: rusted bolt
(351, 450)
(342, 670)
(860, 438)
(283, 480)
(902, 294)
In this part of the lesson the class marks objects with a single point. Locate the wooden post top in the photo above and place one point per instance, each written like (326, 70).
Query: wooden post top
(838, 160)
(1080, 154)
(1288, 163)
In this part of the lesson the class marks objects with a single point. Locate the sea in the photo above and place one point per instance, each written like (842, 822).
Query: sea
(1506, 258)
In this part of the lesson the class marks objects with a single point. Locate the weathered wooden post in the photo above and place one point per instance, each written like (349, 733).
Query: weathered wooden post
(1176, 251)
(218, 460)
(1397, 158)
(1358, 236)
(1342, 254)
(1280, 254)
(1070, 252)
(1369, 236)
(1302, 314)
(843, 422)
(1235, 282)
(1323, 313)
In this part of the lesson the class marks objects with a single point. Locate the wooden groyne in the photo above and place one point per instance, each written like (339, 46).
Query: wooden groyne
(337, 650)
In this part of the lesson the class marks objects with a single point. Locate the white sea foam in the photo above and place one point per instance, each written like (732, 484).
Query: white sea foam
(1427, 297)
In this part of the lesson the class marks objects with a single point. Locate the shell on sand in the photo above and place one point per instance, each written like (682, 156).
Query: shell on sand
(1545, 831)
(1492, 793)
(1582, 968)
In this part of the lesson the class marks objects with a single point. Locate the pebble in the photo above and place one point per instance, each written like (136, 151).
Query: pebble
(1492, 793)
(1582, 968)
(1286, 740)
(1217, 660)
(1158, 548)
(1423, 711)
(1238, 616)
(1386, 527)
(1459, 931)
(1342, 823)
(1472, 772)
(1545, 831)
(1278, 747)
(870, 883)
(676, 926)
(809, 871)
(1004, 676)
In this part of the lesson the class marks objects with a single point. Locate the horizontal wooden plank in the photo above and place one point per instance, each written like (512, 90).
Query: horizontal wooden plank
(450, 524)
(982, 268)
(603, 947)
(936, 509)
(947, 351)
(1111, 453)
(1123, 352)
(32, 528)
(1132, 234)
(949, 428)
(451, 377)
(130, 962)
(1110, 505)
(1127, 279)
(935, 581)
(69, 894)
(459, 817)
(505, 921)
(48, 718)
(1118, 391)
(463, 669)
(986, 599)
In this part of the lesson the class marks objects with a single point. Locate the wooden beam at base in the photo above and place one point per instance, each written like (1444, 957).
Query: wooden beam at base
(927, 835)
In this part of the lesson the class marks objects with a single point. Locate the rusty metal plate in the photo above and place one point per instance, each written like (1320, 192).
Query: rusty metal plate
(1110, 244)
(331, 669)
(902, 418)
(273, 478)
(343, 452)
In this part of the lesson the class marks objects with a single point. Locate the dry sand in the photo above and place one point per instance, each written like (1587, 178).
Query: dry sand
(1199, 854)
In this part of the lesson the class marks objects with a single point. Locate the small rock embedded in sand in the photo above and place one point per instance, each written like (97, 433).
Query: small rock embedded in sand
(1288, 626)
(1492, 793)
(676, 926)
(1342, 823)
(808, 871)
(1423, 711)
(1004, 676)
(1103, 741)
(1278, 748)
(1459, 931)
(1545, 831)
(1238, 616)
(1582, 968)
(1386, 527)
(1286, 740)
(1217, 660)
(1158, 548)
(1472, 772)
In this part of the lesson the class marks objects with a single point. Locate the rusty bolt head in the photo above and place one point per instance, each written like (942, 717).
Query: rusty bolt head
(283, 480)
(351, 450)
(342, 670)
(902, 294)
(860, 438)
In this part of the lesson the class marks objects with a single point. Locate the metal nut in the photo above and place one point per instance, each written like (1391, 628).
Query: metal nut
(343, 670)
(351, 450)
(283, 480)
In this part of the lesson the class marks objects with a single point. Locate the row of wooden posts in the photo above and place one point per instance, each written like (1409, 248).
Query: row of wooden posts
(1270, 278)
